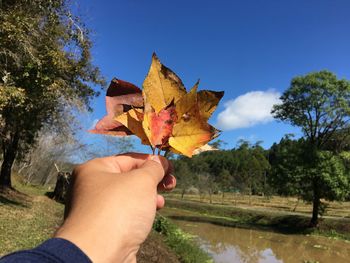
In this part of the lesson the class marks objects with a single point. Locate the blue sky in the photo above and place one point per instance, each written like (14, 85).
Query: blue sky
(249, 49)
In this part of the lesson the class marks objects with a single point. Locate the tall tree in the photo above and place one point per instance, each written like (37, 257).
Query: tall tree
(45, 68)
(185, 176)
(319, 103)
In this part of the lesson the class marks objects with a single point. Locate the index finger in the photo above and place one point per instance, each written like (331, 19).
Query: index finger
(130, 161)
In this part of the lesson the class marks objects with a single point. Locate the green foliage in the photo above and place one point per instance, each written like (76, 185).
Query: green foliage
(45, 71)
(243, 169)
(293, 174)
(286, 174)
(332, 178)
(180, 242)
(318, 103)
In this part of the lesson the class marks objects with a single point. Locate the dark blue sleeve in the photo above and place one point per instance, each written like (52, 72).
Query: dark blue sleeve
(54, 250)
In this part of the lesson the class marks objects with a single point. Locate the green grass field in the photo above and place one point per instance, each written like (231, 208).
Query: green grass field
(27, 218)
(273, 203)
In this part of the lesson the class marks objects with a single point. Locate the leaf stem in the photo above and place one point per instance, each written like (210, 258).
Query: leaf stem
(166, 153)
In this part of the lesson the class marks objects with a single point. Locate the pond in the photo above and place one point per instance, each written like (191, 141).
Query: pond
(231, 244)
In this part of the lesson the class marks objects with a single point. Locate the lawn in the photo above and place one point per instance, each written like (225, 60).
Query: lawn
(27, 218)
(273, 203)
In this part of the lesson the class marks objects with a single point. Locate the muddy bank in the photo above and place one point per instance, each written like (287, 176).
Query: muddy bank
(154, 250)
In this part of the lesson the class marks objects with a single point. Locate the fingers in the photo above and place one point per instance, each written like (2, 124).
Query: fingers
(160, 202)
(130, 161)
(156, 167)
(168, 183)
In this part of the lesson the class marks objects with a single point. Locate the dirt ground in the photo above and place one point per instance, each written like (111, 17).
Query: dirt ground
(154, 250)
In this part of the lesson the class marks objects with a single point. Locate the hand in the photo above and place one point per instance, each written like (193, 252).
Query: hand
(112, 204)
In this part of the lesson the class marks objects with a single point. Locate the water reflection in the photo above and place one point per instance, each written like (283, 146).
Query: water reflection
(227, 244)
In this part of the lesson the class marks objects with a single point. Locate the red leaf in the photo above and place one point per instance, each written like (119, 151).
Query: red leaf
(161, 126)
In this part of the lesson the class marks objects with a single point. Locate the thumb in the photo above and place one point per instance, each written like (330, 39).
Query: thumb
(155, 168)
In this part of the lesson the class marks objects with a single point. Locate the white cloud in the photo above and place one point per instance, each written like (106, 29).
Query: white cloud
(248, 110)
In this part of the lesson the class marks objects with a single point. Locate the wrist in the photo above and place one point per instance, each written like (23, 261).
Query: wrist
(97, 247)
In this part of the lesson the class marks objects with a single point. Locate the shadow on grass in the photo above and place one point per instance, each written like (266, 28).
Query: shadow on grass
(6, 201)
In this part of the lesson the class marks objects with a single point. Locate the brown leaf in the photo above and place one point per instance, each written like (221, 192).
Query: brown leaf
(120, 97)
(208, 101)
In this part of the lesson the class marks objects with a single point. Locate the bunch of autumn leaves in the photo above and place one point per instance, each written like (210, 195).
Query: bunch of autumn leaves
(163, 115)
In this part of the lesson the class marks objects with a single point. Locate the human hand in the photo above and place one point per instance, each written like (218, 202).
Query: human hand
(112, 204)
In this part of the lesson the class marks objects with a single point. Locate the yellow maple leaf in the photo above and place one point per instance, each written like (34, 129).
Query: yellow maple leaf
(188, 130)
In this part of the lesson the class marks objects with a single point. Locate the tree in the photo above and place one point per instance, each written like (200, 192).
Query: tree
(224, 182)
(107, 145)
(45, 70)
(253, 166)
(286, 174)
(47, 157)
(319, 104)
(184, 176)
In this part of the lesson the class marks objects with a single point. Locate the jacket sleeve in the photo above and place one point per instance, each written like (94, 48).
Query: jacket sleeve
(54, 250)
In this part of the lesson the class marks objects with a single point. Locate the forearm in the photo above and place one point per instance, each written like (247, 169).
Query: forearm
(55, 250)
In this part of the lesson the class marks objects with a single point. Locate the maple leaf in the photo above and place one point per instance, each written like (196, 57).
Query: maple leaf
(169, 119)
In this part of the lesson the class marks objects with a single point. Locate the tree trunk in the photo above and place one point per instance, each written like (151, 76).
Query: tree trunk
(61, 188)
(296, 205)
(9, 148)
(183, 193)
(315, 206)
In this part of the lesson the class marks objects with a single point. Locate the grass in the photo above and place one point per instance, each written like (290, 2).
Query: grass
(27, 218)
(180, 242)
(249, 218)
(275, 203)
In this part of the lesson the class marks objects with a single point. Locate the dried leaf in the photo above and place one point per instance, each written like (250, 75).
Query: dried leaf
(161, 86)
(205, 148)
(190, 135)
(158, 126)
(120, 97)
(208, 101)
(170, 118)
(133, 120)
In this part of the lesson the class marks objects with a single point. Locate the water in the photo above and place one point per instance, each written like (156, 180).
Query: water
(228, 244)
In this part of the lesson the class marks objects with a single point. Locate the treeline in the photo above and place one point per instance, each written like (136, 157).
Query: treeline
(284, 169)
(243, 169)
